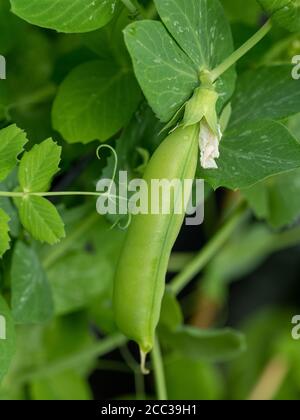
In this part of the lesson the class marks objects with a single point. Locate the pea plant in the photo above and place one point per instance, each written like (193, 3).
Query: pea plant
(160, 89)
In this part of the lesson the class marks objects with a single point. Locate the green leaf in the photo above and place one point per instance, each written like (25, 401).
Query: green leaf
(95, 101)
(108, 42)
(284, 12)
(38, 166)
(7, 338)
(31, 294)
(210, 345)
(253, 152)
(201, 29)
(12, 142)
(66, 16)
(192, 380)
(64, 386)
(276, 200)
(41, 219)
(266, 93)
(4, 229)
(166, 75)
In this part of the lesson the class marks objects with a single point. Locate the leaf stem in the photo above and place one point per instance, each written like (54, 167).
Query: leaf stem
(240, 52)
(207, 253)
(159, 373)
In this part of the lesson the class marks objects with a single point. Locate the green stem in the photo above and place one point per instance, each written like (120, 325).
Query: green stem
(25, 194)
(47, 194)
(70, 362)
(207, 253)
(240, 52)
(159, 374)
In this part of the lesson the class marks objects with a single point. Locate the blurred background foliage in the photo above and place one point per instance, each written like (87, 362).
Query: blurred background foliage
(252, 284)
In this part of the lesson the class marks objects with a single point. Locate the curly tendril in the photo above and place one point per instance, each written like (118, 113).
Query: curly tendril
(110, 196)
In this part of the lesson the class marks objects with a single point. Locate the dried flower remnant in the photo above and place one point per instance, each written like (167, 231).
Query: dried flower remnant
(209, 146)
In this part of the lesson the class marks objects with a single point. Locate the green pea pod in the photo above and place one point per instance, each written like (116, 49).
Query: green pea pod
(140, 278)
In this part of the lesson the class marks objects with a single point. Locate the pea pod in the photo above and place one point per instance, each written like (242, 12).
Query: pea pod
(140, 277)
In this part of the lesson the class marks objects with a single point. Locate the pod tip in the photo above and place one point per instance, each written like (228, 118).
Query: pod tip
(144, 370)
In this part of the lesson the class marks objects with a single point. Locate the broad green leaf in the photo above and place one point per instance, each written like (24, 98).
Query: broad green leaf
(65, 386)
(192, 380)
(266, 93)
(276, 200)
(166, 75)
(201, 29)
(210, 345)
(95, 101)
(4, 229)
(7, 338)
(66, 15)
(12, 142)
(108, 42)
(284, 12)
(257, 198)
(31, 294)
(252, 152)
(41, 219)
(38, 166)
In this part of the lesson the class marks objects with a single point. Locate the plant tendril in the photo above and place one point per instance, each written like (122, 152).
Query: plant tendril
(107, 146)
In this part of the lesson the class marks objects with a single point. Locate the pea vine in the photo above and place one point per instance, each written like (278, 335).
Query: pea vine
(135, 79)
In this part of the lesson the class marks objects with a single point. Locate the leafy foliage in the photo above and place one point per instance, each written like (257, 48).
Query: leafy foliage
(79, 16)
(85, 72)
(119, 92)
(31, 294)
(38, 167)
(285, 12)
(253, 152)
(12, 141)
(166, 74)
